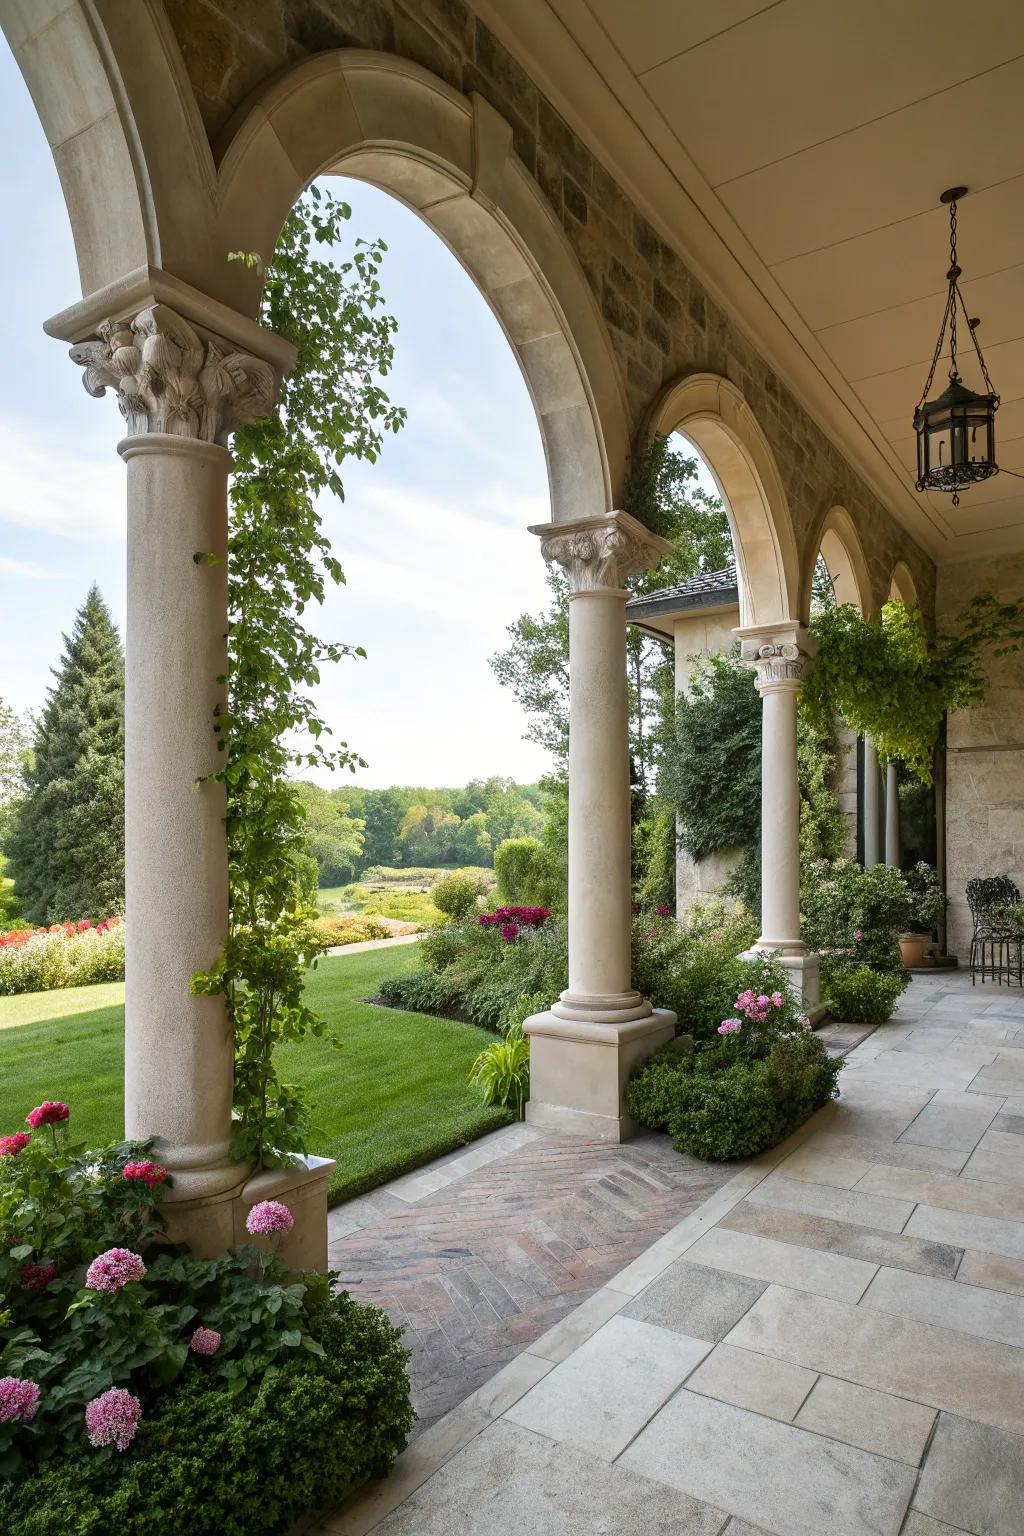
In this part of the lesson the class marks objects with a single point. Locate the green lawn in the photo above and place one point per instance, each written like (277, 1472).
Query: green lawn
(393, 1097)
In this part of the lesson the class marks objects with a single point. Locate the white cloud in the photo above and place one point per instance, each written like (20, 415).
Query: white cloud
(51, 490)
(28, 569)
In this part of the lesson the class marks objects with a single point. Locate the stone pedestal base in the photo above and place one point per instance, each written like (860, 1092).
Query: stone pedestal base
(579, 1071)
(216, 1223)
(803, 971)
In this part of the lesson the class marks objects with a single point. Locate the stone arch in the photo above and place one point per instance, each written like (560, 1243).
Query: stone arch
(838, 542)
(902, 587)
(449, 158)
(711, 411)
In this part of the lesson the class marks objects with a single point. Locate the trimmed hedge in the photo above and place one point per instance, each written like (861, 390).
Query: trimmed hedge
(859, 995)
(212, 1464)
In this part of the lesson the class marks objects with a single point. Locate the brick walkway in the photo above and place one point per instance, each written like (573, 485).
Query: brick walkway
(477, 1255)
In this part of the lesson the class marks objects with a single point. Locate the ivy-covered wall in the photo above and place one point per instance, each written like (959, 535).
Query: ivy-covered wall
(984, 753)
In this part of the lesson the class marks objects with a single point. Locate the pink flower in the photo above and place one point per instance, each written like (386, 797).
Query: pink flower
(269, 1216)
(205, 1341)
(36, 1277)
(805, 1021)
(510, 932)
(113, 1270)
(19, 1399)
(10, 1146)
(764, 1001)
(777, 999)
(858, 933)
(50, 1112)
(730, 1026)
(112, 1418)
(148, 1173)
(745, 999)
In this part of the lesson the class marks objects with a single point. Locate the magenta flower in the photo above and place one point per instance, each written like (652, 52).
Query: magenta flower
(663, 911)
(10, 1146)
(113, 1270)
(205, 1341)
(858, 933)
(50, 1112)
(36, 1277)
(145, 1172)
(269, 1216)
(510, 932)
(112, 1418)
(730, 1026)
(19, 1399)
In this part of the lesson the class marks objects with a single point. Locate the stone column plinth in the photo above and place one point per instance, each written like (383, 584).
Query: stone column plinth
(583, 1049)
(182, 390)
(893, 850)
(871, 802)
(780, 656)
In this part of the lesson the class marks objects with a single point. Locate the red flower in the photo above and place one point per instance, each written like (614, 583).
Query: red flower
(510, 932)
(146, 1172)
(36, 1277)
(10, 1146)
(664, 910)
(50, 1112)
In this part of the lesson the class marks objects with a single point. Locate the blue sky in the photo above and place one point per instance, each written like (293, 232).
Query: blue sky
(432, 537)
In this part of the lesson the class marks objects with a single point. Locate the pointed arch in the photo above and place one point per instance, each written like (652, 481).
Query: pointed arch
(902, 587)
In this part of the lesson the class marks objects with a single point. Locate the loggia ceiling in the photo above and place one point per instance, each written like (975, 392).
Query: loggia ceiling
(795, 151)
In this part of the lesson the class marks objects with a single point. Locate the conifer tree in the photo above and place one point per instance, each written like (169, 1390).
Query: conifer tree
(66, 850)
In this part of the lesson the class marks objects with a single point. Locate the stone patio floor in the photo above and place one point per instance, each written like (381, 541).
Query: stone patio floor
(830, 1344)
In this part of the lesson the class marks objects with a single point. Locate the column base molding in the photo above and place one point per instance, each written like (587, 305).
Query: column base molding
(579, 1068)
(803, 969)
(213, 1224)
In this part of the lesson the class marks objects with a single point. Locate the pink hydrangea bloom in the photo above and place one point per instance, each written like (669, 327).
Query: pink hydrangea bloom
(49, 1112)
(730, 1026)
(112, 1418)
(269, 1216)
(10, 1146)
(777, 999)
(205, 1341)
(36, 1277)
(19, 1399)
(113, 1270)
(146, 1172)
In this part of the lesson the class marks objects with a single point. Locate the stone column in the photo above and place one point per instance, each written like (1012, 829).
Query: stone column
(181, 392)
(780, 656)
(585, 1046)
(893, 850)
(871, 806)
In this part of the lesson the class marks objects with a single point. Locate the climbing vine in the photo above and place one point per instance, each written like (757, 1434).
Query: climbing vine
(332, 408)
(891, 681)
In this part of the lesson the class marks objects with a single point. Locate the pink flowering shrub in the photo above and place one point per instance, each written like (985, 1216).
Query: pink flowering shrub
(19, 1400)
(113, 1418)
(269, 1216)
(113, 1270)
(64, 955)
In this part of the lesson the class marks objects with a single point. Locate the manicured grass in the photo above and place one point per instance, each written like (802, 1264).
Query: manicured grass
(391, 1098)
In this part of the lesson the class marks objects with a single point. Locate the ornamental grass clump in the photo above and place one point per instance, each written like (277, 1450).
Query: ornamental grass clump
(141, 1385)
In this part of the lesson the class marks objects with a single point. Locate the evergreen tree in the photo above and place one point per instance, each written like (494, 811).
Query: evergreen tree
(66, 850)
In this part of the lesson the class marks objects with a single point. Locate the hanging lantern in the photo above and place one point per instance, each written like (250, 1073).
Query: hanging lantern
(956, 438)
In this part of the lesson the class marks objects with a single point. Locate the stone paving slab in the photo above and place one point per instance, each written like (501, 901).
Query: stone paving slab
(829, 1343)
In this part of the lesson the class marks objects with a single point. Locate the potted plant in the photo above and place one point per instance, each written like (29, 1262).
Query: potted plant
(926, 907)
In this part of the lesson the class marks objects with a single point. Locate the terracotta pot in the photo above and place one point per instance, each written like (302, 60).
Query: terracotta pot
(912, 948)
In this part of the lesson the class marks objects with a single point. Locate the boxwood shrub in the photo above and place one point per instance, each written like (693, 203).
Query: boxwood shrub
(211, 1463)
(856, 994)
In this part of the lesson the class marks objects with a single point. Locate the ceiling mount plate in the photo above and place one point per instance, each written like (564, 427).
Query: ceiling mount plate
(953, 194)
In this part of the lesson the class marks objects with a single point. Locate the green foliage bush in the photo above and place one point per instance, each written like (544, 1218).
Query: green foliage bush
(859, 995)
(456, 896)
(502, 1071)
(719, 1103)
(527, 873)
(714, 773)
(853, 913)
(216, 1464)
(927, 901)
(692, 966)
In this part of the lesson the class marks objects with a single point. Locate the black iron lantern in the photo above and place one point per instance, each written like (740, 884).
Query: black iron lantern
(956, 438)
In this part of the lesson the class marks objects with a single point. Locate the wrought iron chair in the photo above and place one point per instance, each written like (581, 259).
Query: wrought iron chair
(992, 945)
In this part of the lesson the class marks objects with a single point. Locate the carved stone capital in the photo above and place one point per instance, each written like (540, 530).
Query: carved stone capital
(175, 378)
(599, 553)
(780, 656)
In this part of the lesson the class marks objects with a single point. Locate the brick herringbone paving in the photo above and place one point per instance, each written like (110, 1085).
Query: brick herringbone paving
(480, 1269)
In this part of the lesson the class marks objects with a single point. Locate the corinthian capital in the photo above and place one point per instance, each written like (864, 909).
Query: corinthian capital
(779, 655)
(600, 553)
(172, 377)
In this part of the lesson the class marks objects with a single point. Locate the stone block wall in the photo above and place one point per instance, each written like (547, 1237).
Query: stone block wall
(661, 322)
(984, 753)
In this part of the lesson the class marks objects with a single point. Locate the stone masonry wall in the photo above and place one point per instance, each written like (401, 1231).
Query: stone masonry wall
(661, 322)
(984, 754)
